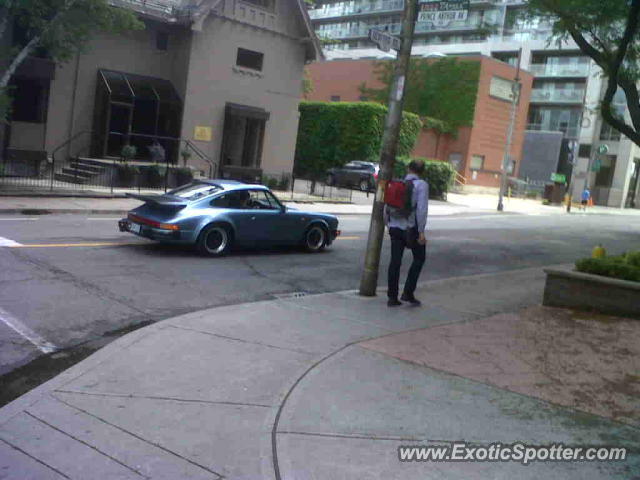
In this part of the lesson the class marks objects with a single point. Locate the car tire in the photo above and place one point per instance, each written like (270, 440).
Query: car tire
(215, 240)
(330, 180)
(315, 238)
(365, 185)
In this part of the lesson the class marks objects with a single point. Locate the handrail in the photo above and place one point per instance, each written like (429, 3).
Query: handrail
(460, 179)
(60, 147)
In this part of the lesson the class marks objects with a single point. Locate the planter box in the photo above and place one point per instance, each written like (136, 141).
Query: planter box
(595, 293)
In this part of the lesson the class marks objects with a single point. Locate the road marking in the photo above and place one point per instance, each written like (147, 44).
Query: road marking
(348, 238)
(65, 245)
(6, 242)
(19, 219)
(20, 328)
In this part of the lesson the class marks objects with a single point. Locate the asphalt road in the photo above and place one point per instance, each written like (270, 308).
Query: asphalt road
(77, 278)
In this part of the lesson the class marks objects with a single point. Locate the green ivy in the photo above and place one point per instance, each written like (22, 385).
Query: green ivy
(623, 267)
(444, 90)
(332, 134)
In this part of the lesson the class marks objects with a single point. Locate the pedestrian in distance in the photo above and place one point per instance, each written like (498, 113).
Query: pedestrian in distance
(405, 215)
(584, 199)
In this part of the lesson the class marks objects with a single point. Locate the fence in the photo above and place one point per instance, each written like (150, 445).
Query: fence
(289, 188)
(71, 167)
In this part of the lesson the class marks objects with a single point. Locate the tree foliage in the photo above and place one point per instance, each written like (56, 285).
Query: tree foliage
(608, 33)
(444, 90)
(332, 134)
(54, 28)
(440, 175)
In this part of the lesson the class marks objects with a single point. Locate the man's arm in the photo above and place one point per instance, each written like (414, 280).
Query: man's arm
(422, 205)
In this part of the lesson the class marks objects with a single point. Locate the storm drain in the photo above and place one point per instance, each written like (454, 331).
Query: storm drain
(287, 296)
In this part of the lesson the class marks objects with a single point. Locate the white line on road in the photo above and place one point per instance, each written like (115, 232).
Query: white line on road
(19, 219)
(6, 242)
(19, 327)
(101, 218)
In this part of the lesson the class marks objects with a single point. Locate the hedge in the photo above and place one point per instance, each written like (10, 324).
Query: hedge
(440, 175)
(332, 134)
(623, 267)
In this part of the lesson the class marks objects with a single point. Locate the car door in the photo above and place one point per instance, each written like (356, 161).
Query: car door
(351, 173)
(263, 218)
(287, 227)
(251, 229)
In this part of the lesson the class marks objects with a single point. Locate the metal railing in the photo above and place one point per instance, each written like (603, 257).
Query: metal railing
(554, 70)
(72, 168)
(564, 95)
(569, 131)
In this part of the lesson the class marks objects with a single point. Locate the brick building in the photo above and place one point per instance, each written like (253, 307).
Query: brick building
(476, 151)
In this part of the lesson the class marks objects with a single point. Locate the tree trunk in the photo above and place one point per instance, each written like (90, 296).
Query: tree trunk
(29, 47)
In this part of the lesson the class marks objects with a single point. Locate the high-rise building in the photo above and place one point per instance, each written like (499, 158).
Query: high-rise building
(567, 87)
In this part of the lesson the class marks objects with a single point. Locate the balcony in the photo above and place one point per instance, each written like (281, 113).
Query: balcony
(362, 31)
(549, 70)
(570, 131)
(360, 9)
(363, 8)
(557, 96)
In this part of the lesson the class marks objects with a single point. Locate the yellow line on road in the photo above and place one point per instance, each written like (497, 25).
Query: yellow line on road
(348, 238)
(63, 245)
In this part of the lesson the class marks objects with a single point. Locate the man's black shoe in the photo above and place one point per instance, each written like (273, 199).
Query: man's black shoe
(393, 302)
(411, 299)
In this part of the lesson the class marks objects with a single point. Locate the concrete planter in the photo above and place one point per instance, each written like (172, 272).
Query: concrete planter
(583, 291)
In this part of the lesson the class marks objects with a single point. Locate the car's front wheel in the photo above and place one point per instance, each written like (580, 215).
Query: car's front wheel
(315, 239)
(214, 240)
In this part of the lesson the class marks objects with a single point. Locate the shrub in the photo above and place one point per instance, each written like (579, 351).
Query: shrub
(332, 134)
(183, 175)
(271, 182)
(156, 175)
(440, 175)
(127, 174)
(128, 152)
(614, 267)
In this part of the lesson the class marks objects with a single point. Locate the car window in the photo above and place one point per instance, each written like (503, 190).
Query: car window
(351, 165)
(194, 191)
(259, 200)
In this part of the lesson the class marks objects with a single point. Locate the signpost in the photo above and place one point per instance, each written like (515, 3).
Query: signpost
(384, 40)
(442, 12)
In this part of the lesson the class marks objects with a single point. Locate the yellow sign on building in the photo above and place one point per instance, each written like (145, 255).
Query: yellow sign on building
(202, 134)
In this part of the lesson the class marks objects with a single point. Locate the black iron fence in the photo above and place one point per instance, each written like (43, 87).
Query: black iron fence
(155, 163)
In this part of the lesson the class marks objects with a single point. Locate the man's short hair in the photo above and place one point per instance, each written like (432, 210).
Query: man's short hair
(417, 166)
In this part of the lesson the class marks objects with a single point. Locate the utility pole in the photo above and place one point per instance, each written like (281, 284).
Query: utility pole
(369, 279)
(515, 92)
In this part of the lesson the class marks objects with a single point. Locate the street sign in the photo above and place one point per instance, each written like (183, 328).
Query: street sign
(603, 149)
(384, 40)
(442, 12)
(558, 177)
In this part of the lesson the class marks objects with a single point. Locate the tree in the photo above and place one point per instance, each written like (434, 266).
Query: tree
(608, 33)
(444, 91)
(55, 28)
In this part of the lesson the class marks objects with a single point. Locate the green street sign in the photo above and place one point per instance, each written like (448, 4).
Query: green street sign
(603, 149)
(558, 177)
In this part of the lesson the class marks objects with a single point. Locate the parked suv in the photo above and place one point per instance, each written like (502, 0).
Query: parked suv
(362, 175)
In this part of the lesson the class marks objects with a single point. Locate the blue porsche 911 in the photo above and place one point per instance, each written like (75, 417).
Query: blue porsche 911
(215, 215)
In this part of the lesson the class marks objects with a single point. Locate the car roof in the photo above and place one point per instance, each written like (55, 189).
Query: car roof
(228, 185)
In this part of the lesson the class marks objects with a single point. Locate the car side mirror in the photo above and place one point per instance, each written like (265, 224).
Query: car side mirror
(283, 209)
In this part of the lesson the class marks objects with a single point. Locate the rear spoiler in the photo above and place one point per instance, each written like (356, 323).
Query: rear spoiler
(161, 200)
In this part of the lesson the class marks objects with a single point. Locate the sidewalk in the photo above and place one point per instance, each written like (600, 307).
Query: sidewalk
(328, 386)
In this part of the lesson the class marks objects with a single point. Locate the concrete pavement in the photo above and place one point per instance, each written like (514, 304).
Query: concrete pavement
(328, 386)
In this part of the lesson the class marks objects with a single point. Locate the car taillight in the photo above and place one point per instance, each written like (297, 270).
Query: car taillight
(375, 175)
(152, 223)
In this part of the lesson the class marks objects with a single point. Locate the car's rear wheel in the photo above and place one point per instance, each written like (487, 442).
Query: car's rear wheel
(315, 239)
(330, 180)
(365, 185)
(215, 240)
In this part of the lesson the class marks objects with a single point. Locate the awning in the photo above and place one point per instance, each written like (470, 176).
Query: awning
(127, 87)
(247, 111)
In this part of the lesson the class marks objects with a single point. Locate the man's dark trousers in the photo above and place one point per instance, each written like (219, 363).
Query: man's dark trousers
(398, 244)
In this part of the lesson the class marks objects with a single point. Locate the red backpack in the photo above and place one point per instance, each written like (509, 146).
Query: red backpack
(399, 196)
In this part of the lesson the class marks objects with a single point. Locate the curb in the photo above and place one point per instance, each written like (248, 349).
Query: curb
(55, 211)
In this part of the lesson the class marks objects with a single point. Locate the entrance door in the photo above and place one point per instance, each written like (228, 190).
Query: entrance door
(119, 128)
(633, 185)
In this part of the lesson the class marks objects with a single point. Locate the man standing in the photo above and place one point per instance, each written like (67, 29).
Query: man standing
(408, 232)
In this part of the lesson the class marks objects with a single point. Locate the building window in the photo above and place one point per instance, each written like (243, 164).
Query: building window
(607, 132)
(584, 150)
(30, 99)
(477, 162)
(249, 59)
(335, 98)
(162, 41)
(604, 177)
